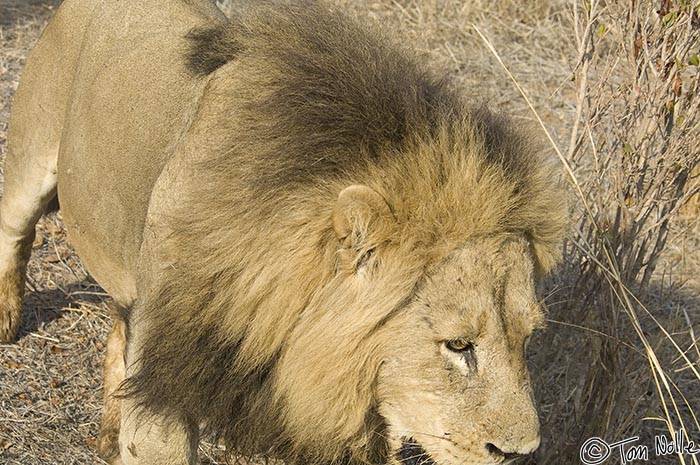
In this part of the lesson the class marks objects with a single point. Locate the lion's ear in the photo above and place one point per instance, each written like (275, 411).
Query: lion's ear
(360, 212)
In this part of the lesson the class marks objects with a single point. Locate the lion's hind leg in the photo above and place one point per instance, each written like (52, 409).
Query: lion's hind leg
(13, 263)
(30, 185)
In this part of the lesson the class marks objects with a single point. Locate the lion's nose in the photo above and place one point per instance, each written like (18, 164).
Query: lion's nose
(525, 449)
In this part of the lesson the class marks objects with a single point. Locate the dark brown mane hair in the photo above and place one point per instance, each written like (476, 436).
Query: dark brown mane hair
(346, 86)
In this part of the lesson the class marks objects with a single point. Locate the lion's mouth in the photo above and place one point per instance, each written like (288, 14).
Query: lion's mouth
(412, 453)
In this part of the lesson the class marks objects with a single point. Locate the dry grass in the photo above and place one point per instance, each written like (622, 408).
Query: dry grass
(599, 368)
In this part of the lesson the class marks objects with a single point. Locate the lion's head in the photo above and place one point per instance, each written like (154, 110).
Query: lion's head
(424, 349)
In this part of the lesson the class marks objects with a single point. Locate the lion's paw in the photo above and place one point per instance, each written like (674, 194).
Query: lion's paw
(10, 313)
(108, 446)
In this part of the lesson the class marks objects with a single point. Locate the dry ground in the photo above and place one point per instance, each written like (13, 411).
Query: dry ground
(50, 386)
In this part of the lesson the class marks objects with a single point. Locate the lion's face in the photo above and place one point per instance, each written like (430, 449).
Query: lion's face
(415, 347)
(453, 387)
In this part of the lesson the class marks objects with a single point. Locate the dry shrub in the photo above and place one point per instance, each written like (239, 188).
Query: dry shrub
(691, 208)
(623, 365)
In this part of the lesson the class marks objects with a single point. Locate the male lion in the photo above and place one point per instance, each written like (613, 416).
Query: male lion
(322, 252)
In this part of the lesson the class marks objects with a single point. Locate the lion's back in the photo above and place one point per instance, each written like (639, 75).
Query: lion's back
(130, 97)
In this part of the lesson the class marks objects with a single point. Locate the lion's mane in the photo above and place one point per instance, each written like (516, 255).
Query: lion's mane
(316, 102)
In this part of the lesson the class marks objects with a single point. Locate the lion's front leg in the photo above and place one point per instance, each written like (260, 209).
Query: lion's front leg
(148, 438)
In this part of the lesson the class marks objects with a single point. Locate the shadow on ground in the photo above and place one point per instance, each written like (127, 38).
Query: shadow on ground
(40, 308)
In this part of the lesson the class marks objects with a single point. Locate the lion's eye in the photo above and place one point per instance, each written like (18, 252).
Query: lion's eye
(459, 345)
(465, 349)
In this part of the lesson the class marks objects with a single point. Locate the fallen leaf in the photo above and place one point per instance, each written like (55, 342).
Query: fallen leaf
(13, 364)
(677, 86)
